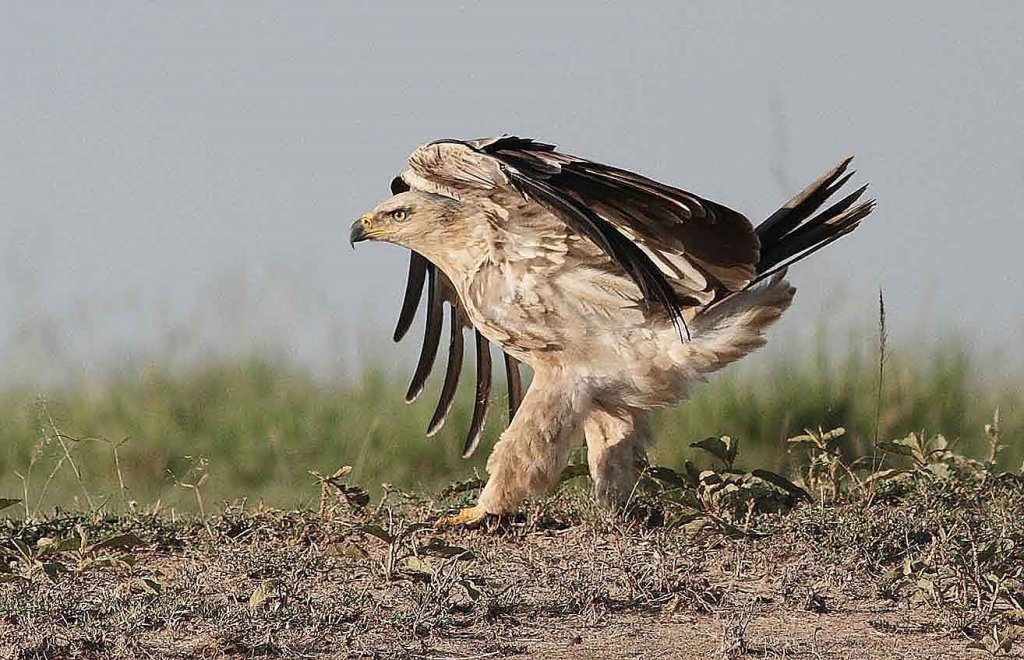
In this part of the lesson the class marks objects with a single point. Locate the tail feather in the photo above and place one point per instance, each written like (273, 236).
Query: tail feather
(791, 234)
(728, 330)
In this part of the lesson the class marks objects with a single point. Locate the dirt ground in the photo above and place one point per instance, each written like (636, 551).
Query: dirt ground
(559, 582)
(221, 618)
(769, 633)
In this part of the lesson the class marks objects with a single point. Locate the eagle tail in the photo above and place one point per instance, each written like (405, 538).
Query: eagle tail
(792, 234)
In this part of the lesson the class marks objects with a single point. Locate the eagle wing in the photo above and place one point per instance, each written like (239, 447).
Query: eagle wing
(679, 249)
(440, 291)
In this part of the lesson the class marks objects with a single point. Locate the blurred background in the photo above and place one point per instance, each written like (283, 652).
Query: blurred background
(177, 180)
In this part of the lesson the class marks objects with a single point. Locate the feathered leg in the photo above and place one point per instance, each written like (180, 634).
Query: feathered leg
(617, 440)
(533, 450)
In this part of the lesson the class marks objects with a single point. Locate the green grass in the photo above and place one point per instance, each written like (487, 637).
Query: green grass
(258, 428)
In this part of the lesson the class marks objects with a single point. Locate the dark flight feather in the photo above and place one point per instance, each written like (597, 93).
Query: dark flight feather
(431, 337)
(451, 375)
(798, 209)
(791, 234)
(413, 292)
(813, 231)
(515, 385)
(483, 395)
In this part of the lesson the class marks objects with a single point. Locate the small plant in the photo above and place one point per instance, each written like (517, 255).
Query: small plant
(727, 496)
(193, 480)
(998, 642)
(934, 454)
(403, 556)
(936, 457)
(827, 474)
(355, 497)
(70, 555)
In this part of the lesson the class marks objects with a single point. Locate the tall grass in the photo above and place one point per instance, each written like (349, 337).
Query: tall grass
(257, 428)
(939, 390)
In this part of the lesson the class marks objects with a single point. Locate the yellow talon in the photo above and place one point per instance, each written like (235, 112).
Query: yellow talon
(468, 517)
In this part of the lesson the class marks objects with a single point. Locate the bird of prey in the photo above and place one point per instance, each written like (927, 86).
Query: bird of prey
(618, 291)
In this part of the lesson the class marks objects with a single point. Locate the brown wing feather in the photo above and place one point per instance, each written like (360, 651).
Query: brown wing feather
(679, 249)
(431, 337)
(515, 385)
(665, 221)
(451, 374)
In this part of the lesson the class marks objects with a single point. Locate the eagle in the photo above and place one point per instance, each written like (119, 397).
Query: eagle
(619, 292)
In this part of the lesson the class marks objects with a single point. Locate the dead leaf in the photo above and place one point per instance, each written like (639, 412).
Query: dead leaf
(416, 565)
(350, 550)
(263, 593)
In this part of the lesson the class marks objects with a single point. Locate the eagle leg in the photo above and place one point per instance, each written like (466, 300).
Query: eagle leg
(534, 449)
(617, 441)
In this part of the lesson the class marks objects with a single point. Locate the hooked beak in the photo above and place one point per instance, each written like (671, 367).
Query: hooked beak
(358, 232)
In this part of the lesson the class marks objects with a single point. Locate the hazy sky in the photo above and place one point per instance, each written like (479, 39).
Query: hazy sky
(184, 174)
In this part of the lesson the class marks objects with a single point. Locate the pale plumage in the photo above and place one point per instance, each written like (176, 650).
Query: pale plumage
(620, 292)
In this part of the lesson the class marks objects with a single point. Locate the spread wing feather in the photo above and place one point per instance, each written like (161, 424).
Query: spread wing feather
(515, 385)
(791, 233)
(666, 222)
(483, 395)
(431, 337)
(439, 292)
(413, 292)
(451, 374)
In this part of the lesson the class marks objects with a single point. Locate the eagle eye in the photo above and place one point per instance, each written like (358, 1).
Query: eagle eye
(400, 215)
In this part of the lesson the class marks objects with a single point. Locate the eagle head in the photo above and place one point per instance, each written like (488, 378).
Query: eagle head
(414, 219)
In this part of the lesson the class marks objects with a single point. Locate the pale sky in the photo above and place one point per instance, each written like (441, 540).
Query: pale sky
(180, 177)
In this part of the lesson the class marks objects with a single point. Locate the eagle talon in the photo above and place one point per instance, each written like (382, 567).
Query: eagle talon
(469, 517)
